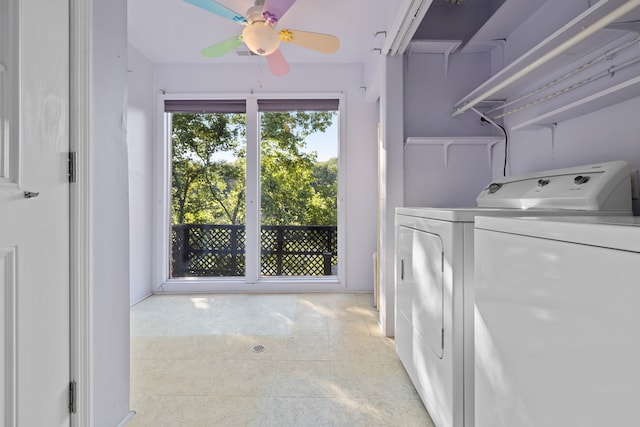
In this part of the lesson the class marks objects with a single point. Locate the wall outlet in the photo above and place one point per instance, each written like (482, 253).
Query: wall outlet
(635, 192)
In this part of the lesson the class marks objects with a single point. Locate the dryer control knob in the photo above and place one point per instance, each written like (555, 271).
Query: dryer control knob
(543, 182)
(494, 187)
(580, 179)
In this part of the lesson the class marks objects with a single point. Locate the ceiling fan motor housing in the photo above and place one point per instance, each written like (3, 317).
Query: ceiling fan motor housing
(255, 14)
(259, 35)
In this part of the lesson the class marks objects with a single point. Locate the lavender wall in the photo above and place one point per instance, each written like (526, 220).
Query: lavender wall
(139, 141)
(110, 210)
(429, 95)
(360, 118)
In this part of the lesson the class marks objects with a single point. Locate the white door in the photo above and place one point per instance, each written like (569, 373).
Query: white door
(34, 231)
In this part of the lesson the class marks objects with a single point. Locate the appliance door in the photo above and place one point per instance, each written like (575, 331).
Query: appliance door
(420, 288)
(404, 296)
(556, 333)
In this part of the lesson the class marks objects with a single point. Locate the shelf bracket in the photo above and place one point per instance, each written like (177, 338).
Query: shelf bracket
(446, 64)
(553, 127)
(490, 152)
(443, 47)
(488, 120)
(447, 53)
(490, 145)
(445, 149)
(447, 142)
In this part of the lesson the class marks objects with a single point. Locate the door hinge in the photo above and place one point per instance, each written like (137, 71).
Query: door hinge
(72, 166)
(72, 397)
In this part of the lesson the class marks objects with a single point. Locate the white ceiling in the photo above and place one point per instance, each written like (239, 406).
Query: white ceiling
(172, 31)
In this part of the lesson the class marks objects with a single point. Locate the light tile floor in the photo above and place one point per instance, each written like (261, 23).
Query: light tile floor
(325, 363)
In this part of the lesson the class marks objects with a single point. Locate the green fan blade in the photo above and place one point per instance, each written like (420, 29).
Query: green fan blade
(221, 48)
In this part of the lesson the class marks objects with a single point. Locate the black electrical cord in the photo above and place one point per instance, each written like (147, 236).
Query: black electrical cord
(506, 144)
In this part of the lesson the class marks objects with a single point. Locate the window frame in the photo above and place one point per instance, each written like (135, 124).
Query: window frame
(252, 281)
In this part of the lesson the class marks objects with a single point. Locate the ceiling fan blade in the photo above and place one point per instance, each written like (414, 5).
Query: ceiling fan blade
(215, 7)
(277, 64)
(274, 10)
(325, 43)
(221, 48)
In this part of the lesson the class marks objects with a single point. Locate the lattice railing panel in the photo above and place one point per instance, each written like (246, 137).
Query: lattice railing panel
(207, 250)
(216, 266)
(211, 250)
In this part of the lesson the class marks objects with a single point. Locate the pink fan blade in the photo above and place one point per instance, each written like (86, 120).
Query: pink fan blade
(274, 10)
(277, 64)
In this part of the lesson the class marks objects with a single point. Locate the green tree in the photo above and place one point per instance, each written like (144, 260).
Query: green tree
(205, 189)
(185, 174)
(324, 208)
(287, 181)
(295, 188)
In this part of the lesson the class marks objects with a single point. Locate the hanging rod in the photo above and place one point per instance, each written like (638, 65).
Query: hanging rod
(562, 47)
(574, 86)
(607, 55)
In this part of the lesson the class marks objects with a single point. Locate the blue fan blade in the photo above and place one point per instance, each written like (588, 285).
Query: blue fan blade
(218, 9)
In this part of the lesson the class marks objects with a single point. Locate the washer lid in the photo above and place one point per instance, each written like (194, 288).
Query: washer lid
(454, 214)
(616, 232)
(603, 186)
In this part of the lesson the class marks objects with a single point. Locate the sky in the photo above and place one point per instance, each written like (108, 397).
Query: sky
(325, 144)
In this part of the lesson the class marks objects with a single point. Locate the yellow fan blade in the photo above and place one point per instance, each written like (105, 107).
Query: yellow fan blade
(325, 43)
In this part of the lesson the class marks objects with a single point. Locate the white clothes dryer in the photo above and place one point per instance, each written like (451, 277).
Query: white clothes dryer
(557, 330)
(434, 273)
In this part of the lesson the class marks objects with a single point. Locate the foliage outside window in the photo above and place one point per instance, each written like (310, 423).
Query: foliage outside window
(207, 187)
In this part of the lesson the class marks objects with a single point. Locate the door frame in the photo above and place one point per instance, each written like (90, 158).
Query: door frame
(80, 126)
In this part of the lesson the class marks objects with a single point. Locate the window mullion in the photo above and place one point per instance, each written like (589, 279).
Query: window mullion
(252, 222)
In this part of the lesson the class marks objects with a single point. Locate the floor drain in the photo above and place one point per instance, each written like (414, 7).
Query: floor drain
(258, 348)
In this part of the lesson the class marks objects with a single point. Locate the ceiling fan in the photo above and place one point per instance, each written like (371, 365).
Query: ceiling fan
(260, 34)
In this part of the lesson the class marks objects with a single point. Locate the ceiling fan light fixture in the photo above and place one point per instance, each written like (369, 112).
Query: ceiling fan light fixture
(261, 38)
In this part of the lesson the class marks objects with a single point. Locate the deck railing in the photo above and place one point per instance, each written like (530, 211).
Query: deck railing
(216, 250)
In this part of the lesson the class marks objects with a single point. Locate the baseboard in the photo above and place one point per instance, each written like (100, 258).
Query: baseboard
(140, 300)
(127, 419)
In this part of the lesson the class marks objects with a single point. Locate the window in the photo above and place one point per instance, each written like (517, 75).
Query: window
(208, 170)
(290, 225)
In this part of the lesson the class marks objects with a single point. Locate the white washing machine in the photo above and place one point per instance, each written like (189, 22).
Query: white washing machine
(557, 331)
(434, 273)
